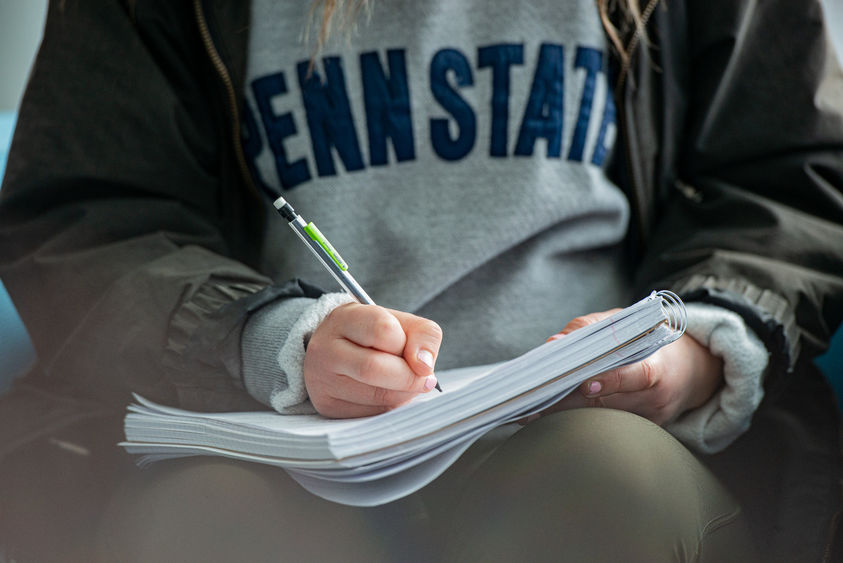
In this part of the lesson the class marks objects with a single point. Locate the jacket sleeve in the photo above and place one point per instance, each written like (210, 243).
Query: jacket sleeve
(752, 217)
(118, 243)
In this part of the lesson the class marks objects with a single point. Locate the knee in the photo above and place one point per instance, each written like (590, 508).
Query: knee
(606, 447)
(616, 460)
(606, 484)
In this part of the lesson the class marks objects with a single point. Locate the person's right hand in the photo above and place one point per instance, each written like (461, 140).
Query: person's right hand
(364, 360)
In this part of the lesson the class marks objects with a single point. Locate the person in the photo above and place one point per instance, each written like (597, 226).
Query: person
(495, 175)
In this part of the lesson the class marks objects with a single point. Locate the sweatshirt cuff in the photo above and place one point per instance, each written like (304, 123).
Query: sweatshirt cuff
(727, 414)
(273, 345)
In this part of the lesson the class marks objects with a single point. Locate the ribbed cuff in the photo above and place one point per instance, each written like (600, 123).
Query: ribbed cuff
(727, 414)
(274, 343)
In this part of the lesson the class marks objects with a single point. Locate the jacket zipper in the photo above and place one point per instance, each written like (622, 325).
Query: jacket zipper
(225, 77)
(634, 187)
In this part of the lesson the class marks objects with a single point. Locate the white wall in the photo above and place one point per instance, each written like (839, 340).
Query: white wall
(834, 15)
(21, 26)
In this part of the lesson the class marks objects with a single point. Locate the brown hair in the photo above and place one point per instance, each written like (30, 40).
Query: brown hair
(333, 13)
(623, 20)
(628, 29)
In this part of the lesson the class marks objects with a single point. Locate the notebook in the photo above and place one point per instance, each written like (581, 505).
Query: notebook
(374, 460)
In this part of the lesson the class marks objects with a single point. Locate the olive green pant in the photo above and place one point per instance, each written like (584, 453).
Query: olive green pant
(581, 485)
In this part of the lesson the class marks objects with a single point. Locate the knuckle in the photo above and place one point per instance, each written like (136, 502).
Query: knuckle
(370, 366)
(578, 322)
(582, 321)
(649, 373)
(423, 329)
(432, 330)
(590, 318)
(384, 326)
(616, 379)
(380, 396)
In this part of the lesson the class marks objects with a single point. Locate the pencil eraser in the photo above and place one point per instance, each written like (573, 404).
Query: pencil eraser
(279, 203)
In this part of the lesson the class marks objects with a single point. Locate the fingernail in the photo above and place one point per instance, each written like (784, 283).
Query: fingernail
(594, 387)
(425, 357)
(429, 382)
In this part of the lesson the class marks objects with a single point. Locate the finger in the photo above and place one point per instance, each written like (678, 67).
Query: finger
(339, 408)
(352, 391)
(583, 321)
(379, 369)
(641, 403)
(652, 404)
(424, 337)
(573, 401)
(369, 326)
(570, 401)
(626, 379)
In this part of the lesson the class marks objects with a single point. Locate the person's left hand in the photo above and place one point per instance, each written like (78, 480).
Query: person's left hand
(679, 377)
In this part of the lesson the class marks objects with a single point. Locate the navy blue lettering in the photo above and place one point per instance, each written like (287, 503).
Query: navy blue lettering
(500, 58)
(252, 143)
(278, 128)
(544, 114)
(329, 116)
(387, 106)
(609, 118)
(445, 61)
(592, 61)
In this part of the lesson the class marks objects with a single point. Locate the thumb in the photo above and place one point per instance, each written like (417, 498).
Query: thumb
(424, 337)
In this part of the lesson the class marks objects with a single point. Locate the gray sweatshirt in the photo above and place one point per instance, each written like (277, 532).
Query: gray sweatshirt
(455, 153)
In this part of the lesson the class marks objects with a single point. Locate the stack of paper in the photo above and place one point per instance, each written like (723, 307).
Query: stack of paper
(374, 460)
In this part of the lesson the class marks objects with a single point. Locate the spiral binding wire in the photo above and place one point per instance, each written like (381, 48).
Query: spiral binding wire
(676, 317)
